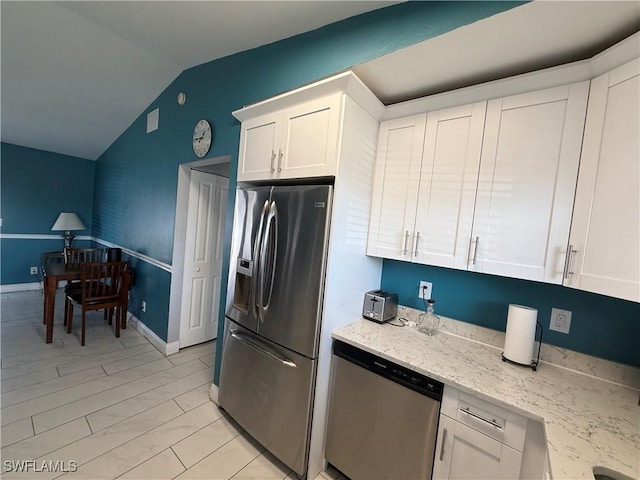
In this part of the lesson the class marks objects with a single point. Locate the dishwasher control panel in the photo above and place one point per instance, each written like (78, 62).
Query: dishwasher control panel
(394, 372)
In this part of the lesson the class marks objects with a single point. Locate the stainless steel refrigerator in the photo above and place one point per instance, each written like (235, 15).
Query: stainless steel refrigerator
(274, 314)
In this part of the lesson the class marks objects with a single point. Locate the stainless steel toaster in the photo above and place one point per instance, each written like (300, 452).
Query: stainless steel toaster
(380, 306)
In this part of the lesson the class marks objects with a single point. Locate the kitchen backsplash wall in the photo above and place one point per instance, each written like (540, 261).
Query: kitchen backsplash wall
(601, 326)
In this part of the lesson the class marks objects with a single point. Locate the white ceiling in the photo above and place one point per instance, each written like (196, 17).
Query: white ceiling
(537, 35)
(76, 74)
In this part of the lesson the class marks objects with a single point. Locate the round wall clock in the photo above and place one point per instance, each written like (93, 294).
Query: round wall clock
(202, 137)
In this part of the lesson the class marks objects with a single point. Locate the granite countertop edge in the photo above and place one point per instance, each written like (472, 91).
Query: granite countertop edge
(589, 422)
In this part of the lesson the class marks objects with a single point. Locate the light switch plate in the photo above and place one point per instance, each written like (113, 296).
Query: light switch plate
(560, 320)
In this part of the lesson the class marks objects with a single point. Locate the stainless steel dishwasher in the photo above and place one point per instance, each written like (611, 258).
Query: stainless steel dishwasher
(383, 418)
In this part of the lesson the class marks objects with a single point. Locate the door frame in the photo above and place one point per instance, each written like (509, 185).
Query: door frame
(179, 244)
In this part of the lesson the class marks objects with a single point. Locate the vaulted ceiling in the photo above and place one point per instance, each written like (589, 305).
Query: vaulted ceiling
(110, 60)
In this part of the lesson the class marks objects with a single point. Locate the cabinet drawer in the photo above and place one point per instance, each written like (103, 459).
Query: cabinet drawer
(485, 417)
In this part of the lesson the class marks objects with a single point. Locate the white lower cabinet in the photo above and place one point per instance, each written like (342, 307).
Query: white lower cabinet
(464, 453)
(477, 439)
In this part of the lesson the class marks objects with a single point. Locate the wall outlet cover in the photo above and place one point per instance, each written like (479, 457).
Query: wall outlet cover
(560, 320)
(426, 288)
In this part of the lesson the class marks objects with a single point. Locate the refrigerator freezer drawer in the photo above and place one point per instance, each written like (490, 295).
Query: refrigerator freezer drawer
(268, 391)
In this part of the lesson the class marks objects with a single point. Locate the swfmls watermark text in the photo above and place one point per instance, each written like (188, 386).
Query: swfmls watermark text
(55, 466)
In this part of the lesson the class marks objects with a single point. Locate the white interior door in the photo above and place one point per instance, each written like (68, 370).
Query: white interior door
(203, 258)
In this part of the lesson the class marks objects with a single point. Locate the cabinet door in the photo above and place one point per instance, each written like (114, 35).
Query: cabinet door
(526, 186)
(463, 453)
(395, 187)
(259, 138)
(309, 145)
(605, 233)
(446, 199)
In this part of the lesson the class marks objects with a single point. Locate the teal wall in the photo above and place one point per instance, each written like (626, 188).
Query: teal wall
(136, 178)
(601, 326)
(37, 186)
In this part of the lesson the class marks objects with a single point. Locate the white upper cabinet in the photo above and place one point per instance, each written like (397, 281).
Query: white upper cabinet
(492, 190)
(296, 142)
(605, 232)
(526, 186)
(448, 180)
(259, 143)
(395, 187)
(424, 186)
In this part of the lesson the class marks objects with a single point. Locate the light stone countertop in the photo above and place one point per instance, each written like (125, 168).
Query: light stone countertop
(588, 422)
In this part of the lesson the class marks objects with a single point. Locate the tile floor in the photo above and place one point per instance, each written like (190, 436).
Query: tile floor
(116, 408)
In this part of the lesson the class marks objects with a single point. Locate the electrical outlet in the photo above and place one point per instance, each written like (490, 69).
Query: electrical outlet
(144, 306)
(424, 290)
(33, 270)
(560, 320)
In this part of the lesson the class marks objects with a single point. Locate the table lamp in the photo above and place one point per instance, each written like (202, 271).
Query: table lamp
(68, 222)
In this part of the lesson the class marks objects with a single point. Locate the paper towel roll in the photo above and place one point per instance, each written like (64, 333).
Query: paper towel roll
(521, 334)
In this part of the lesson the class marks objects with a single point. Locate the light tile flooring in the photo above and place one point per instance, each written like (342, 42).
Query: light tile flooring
(116, 408)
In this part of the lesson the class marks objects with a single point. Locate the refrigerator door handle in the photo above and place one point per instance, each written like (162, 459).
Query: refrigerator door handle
(271, 229)
(257, 254)
(261, 349)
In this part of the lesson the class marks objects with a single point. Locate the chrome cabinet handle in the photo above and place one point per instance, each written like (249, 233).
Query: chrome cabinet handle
(406, 239)
(567, 261)
(444, 440)
(280, 155)
(415, 252)
(273, 157)
(475, 242)
(491, 422)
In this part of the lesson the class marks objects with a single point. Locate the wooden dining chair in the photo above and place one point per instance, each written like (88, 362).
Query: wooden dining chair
(81, 255)
(84, 255)
(102, 286)
(121, 310)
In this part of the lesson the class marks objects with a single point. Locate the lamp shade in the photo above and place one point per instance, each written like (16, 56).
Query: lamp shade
(68, 221)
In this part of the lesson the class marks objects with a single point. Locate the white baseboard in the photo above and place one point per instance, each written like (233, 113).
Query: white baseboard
(213, 393)
(20, 287)
(163, 347)
(172, 347)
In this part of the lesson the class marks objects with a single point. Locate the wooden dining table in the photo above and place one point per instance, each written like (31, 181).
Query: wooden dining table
(53, 273)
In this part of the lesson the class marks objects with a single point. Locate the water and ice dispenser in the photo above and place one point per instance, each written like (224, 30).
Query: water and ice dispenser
(244, 270)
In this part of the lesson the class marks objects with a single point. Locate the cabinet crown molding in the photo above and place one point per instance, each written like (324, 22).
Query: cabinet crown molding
(614, 56)
(346, 82)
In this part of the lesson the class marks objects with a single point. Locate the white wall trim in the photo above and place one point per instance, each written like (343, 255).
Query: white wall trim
(20, 287)
(213, 393)
(152, 261)
(38, 236)
(163, 347)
